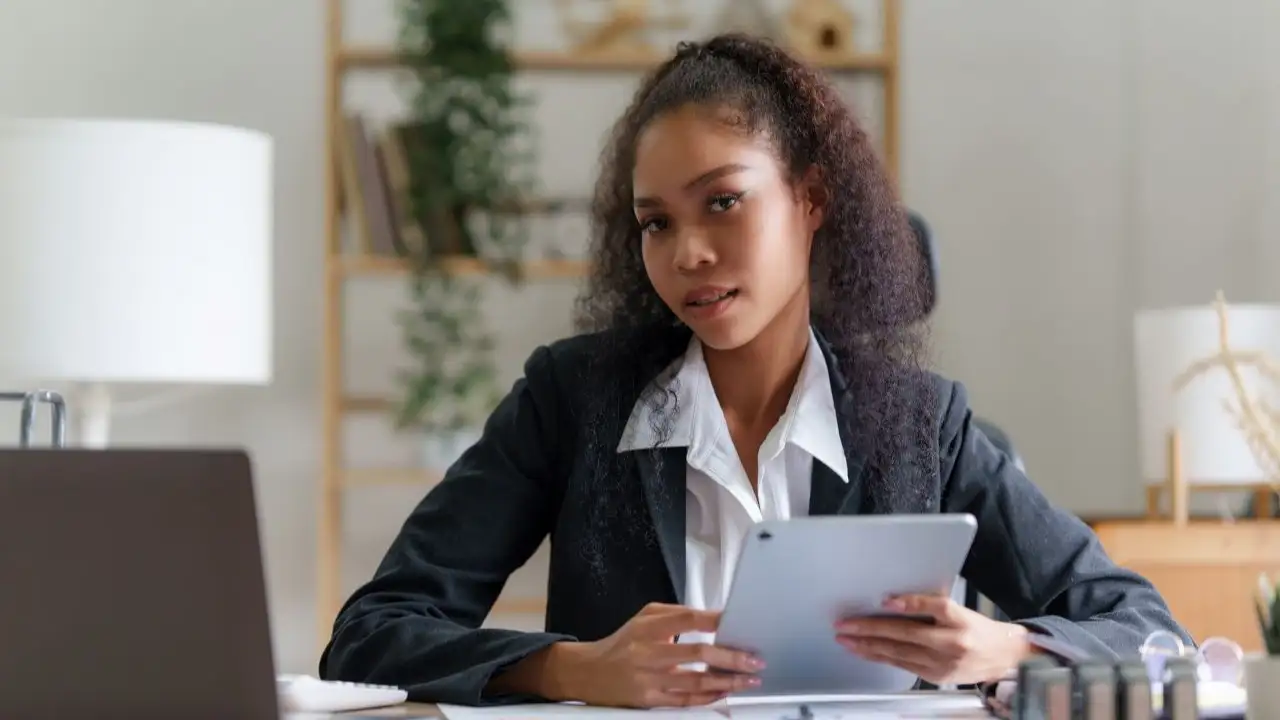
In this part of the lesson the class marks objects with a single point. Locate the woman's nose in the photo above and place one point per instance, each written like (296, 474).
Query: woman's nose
(692, 251)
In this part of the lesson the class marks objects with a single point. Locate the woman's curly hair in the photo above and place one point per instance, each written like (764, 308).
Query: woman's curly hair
(868, 291)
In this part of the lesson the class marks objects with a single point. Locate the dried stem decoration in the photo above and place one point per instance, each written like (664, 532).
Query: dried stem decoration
(623, 33)
(1267, 607)
(1256, 418)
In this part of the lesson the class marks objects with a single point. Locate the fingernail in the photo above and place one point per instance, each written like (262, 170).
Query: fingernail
(895, 604)
(755, 663)
(753, 682)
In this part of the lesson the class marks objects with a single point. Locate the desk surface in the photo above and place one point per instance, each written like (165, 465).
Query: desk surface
(1206, 571)
(975, 710)
(407, 710)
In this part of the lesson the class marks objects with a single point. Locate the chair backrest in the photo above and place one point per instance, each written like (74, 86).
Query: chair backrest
(1000, 439)
(929, 252)
(962, 592)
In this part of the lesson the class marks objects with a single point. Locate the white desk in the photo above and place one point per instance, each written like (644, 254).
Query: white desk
(407, 710)
(923, 704)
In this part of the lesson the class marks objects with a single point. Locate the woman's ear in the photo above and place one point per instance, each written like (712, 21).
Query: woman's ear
(813, 193)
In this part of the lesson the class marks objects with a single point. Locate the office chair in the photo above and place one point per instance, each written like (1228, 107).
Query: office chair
(999, 438)
(928, 250)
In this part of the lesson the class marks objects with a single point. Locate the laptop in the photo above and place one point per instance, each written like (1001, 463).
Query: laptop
(131, 586)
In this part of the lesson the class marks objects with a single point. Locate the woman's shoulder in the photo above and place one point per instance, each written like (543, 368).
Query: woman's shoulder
(570, 357)
(939, 398)
(593, 379)
(933, 391)
(950, 399)
(570, 351)
(947, 391)
(953, 412)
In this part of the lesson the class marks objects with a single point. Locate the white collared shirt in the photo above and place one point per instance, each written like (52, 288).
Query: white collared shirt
(720, 506)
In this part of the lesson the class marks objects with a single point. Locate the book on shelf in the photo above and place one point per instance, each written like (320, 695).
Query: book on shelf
(375, 171)
(368, 191)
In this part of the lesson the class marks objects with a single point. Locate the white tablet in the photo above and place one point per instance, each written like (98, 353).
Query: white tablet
(796, 578)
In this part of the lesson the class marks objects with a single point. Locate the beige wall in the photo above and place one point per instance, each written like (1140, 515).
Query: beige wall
(1078, 160)
(1082, 160)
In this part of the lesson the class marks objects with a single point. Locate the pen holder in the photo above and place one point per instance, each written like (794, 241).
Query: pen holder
(1262, 686)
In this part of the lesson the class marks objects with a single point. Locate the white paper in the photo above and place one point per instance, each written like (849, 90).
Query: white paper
(571, 711)
(777, 707)
(920, 704)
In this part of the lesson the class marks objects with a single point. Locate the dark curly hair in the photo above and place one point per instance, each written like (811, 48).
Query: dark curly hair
(867, 278)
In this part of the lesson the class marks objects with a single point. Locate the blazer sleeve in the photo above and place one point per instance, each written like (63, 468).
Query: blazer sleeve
(416, 624)
(1038, 563)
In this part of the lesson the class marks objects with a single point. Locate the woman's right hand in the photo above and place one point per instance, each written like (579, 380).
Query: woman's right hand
(639, 665)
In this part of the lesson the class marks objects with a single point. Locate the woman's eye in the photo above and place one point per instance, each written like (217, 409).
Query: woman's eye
(721, 203)
(653, 225)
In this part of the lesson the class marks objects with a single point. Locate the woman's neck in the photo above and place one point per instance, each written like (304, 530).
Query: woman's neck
(754, 382)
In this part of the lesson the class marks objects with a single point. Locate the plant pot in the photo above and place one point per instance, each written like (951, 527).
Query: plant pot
(442, 448)
(1262, 685)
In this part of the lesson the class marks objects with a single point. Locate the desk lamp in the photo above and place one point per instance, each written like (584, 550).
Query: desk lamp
(133, 252)
(1193, 436)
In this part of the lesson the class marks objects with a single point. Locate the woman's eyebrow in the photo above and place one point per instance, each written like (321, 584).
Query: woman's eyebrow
(715, 174)
(703, 179)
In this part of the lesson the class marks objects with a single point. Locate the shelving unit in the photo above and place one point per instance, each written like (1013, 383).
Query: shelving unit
(337, 480)
(544, 61)
(374, 266)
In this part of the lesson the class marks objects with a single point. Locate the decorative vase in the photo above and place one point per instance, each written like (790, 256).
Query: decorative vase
(1262, 686)
(442, 448)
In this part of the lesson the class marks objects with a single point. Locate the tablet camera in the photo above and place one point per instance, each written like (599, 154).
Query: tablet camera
(765, 535)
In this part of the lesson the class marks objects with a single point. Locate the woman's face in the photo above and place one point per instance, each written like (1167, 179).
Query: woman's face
(725, 236)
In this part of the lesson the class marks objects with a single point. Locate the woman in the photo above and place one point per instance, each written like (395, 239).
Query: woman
(752, 354)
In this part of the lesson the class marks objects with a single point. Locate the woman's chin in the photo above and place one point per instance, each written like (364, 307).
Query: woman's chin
(725, 326)
(721, 334)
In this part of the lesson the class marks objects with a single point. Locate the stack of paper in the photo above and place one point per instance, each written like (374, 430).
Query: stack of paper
(904, 706)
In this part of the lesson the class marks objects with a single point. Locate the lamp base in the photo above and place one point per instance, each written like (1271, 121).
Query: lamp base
(1179, 489)
(90, 406)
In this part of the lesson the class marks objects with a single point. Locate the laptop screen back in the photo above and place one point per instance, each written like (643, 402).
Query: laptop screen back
(131, 584)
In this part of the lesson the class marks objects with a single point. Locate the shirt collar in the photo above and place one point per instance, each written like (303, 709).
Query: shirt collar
(809, 422)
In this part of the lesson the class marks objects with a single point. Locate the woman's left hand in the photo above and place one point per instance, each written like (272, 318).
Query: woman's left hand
(960, 646)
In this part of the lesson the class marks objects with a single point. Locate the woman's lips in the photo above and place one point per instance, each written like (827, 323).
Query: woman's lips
(709, 301)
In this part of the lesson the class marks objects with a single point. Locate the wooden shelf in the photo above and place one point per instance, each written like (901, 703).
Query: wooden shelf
(355, 477)
(362, 404)
(378, 58)
(373, 265)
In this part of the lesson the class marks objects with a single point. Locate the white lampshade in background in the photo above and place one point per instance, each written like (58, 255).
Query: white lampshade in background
(1166, 343)
(134, 252)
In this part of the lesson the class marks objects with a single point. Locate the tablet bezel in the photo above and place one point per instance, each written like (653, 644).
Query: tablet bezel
(794, 633)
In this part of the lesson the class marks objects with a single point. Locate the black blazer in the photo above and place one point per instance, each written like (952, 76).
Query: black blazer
(617, 541)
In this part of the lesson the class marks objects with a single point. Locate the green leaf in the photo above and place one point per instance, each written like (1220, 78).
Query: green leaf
(469, 147)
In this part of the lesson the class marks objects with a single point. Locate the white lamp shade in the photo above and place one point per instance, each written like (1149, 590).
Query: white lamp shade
(135, 252)
(1166, 343)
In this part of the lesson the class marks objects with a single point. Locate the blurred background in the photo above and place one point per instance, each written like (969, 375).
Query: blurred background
(1077, 162)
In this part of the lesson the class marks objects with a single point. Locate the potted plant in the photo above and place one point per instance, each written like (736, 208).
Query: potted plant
(1262, 672)
(466, 164)
(450, 387)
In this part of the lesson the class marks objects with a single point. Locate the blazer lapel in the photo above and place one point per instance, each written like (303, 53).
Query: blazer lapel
(662, 473)
(829, 494)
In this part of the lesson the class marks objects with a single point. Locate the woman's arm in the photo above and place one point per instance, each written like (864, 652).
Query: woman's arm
(1038, 563)
(416, 623)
